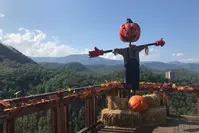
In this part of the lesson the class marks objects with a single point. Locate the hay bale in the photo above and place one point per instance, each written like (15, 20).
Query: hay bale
(109, 102)
(114, 102)
(154, 116)
(120, 118)
(153, 100)
(131, 119)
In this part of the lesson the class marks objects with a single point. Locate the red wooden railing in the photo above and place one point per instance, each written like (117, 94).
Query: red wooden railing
(58, 103)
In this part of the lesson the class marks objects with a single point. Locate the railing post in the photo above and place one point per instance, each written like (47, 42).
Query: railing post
(66, 117)
(197, 93)
(166, 101)
(60, 119)
(87, 117)
(54, 120)
(90, 118)
(94, 110)
(9, 126)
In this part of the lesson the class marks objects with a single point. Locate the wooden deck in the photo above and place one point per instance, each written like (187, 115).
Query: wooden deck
(173, 125)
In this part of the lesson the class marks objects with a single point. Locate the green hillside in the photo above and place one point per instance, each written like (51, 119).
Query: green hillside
(34, 79)
(8, 52)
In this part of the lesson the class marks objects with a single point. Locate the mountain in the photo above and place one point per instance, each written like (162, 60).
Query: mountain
(160, 65)
(177, 63)
(172, 65)
(10, 53)
(73, 66)
(101, 63)
(83, 59)
(105, 68)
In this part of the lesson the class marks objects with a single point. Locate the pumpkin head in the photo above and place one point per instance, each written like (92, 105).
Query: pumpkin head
(137, 103)
(129, 31)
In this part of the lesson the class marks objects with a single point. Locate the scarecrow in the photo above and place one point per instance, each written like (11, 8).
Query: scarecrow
(129, 32)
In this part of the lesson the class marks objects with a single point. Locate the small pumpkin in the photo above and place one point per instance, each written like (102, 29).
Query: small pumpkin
(129, 31)
(137, 103)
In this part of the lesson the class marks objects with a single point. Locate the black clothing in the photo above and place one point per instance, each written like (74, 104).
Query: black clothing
(132, 73)
(131, 65)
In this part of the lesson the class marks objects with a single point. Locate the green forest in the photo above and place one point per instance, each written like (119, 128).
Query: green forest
(34, 79)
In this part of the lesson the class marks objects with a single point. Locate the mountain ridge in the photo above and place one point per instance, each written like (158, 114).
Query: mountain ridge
(9, 52)
(85, 60)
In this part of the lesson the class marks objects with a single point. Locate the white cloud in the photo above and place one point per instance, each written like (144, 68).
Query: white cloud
(153, 50)
(2, 15)
(178, 54)
(112, 56)
(153, 55)
(34, 43)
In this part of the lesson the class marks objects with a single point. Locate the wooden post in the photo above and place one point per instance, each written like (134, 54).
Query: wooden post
(66, 116)
(197, 93)
(87, 118)
(9, 126)
(59, 118)
(62, 118)
(90, 118)
(166, 101)
(93, 110)
(54, 120)
(90, 112)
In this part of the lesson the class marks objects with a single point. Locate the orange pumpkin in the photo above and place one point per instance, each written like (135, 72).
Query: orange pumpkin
(137, 103)
(129, 31)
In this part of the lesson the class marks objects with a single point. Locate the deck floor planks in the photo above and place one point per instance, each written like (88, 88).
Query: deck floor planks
(172, 126)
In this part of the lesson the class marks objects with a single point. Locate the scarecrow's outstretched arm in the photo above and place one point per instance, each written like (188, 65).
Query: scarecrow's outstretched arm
(141, 47)
(97, 52)
(160, 42)
(120, 51)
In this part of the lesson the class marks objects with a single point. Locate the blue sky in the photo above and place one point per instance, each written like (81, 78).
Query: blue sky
(83, 24)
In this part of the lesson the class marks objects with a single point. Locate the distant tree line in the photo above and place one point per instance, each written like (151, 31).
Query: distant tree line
(34, 79)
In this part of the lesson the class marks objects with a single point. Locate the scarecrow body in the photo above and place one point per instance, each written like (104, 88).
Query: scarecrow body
(131, 65)
(129, 32)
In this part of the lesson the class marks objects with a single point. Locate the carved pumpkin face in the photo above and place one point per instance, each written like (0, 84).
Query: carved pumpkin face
(137, 103)
(129, 31)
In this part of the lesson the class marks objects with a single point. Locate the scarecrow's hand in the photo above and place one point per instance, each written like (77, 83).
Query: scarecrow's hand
(95, 53)
(160, 42)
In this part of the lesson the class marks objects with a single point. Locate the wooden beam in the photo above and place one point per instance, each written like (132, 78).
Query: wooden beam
(66, 118)
(44, 95)
(87, 117)
(91, 111)
(94, 111)
(197, 102)
(29, 109)
(63, 118)
(90, 105)
(54, 120)
(59, 118)
(91, 129)
(45, 106)
(38, 107)
(166, 101)
(188, 117)
(9, 126)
